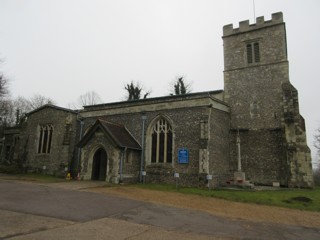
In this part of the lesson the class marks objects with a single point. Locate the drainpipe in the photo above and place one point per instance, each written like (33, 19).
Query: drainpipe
(79, 149)
(121, 163)
(2, 123)
(142, 146)
(239, 152)
(2, 150)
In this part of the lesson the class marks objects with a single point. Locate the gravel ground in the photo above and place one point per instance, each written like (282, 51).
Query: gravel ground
(218, 207)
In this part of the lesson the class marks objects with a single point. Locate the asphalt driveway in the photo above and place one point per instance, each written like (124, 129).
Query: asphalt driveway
(37, 211)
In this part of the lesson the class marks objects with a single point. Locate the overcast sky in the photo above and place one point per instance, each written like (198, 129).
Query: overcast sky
(64, 48)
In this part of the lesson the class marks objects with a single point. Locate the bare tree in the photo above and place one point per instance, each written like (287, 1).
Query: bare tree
(89, 98)
(5, 104)
(316, 172)
(12, 111)
(23, 104)
(3, 86)
(38, 100)
(6, 113)
(20, 106)
(180, 86)
(317, 140)
(134, 91)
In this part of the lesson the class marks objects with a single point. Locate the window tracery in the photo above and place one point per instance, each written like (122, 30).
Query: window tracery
(45, 139)
(161, 142)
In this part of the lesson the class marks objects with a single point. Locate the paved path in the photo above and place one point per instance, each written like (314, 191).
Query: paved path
(63, 211)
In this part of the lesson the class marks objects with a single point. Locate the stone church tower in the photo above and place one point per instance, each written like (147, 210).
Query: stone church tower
(264, 105)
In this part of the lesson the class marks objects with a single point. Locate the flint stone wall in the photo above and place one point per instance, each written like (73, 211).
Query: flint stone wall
(186, 125)
(62, 145)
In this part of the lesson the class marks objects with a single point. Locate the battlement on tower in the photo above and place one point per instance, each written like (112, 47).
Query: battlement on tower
(245, 26)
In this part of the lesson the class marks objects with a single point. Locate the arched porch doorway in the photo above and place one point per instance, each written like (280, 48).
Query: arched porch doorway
(99, 165)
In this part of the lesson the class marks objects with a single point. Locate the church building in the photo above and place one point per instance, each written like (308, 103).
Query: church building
(252, 127)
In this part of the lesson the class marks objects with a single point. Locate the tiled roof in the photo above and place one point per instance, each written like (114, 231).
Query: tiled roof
(118, 133)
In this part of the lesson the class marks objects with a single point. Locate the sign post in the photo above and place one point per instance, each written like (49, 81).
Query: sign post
(144, 174)
(209, 178)
(176, 176)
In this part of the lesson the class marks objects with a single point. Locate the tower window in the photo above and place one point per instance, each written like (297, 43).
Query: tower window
(253, 52)
(249, 53)
(256, 52)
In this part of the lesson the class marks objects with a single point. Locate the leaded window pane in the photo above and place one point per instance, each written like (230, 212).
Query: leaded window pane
(161, 147)
(45, 139)
(256, 52)
(169, 147)
(253, 52)
(249, 53)
(40, 140)
(50, 139)
(161, 142)
(154, 147)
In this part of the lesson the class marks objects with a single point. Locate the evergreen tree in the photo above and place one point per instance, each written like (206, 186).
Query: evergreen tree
(134, 91)
(180, 87)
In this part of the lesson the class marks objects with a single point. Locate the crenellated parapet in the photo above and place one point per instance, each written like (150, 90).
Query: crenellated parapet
(245, 26)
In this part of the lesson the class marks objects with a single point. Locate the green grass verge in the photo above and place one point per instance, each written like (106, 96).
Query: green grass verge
(303, 199)
(34, 177)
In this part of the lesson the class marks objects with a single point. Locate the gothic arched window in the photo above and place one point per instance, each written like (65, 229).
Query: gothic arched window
(45, 139)
(161, 142)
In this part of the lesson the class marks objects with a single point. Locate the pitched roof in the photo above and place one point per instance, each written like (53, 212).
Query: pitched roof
(119, 135)
(51, 106)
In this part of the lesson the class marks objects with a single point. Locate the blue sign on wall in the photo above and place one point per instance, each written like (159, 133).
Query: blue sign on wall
(183, 155)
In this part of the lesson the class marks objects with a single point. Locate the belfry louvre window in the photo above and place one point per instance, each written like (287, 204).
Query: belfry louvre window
(45, 139)
(161, 145)
(253, 52)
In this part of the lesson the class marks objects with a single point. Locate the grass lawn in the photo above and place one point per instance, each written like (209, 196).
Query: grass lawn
(303, 199)
(34, 177)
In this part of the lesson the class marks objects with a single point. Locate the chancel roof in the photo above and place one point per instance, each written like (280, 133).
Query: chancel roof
(52, 106)
(117, 133)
